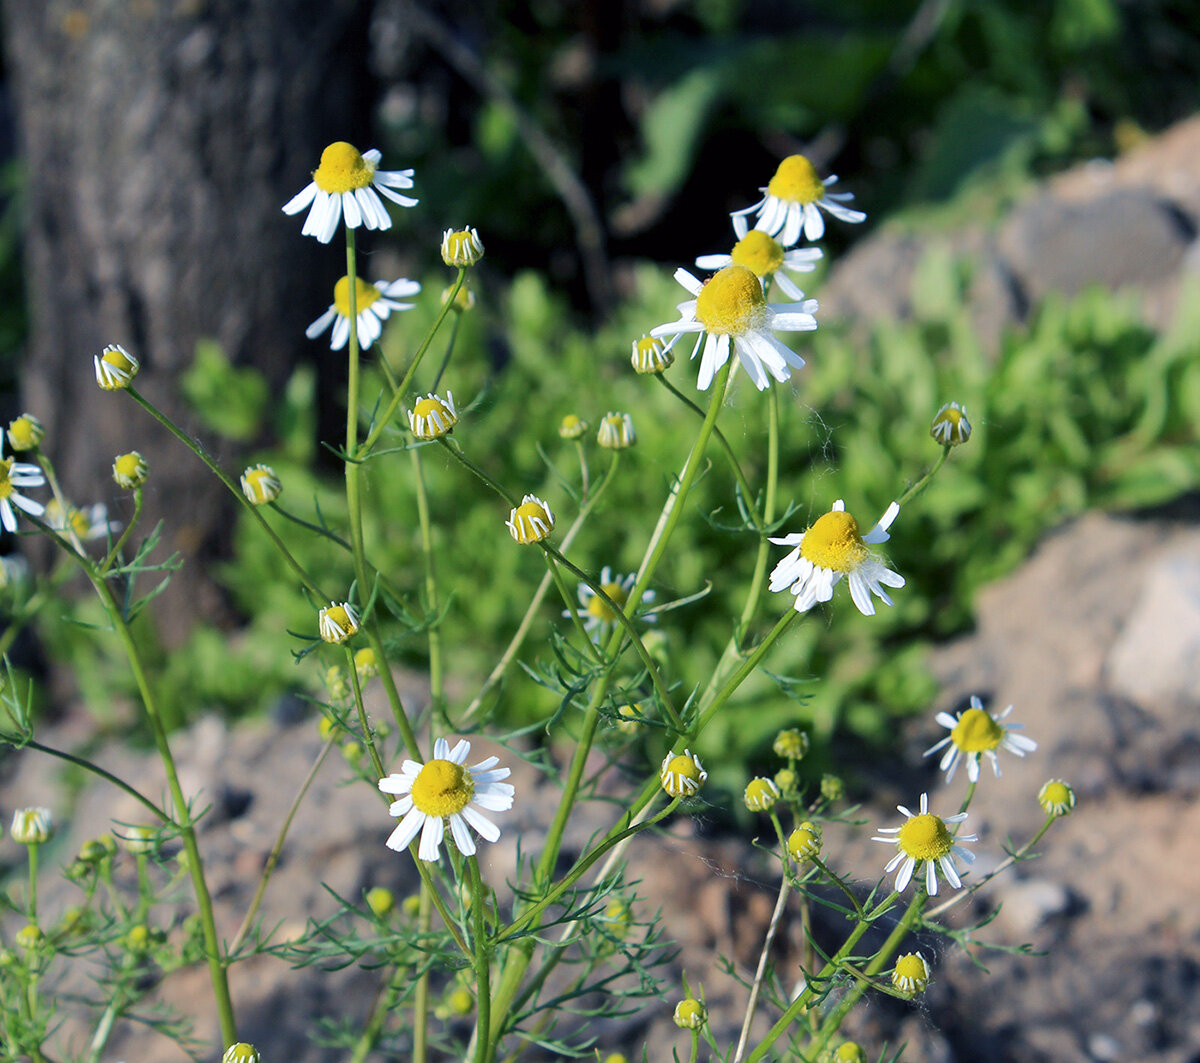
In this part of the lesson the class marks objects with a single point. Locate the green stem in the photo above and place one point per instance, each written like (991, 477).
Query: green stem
(384, 1003)
(572, 610)
(276, 849)
(325, 532)
(115, 552)
(402, 388)
(923, 482)
(195, 447)
(95, 769)
(31, 900)
(483, 962)
(364, 724)
(421, 997)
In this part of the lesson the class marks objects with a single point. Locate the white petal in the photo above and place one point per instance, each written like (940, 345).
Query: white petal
(713, 261)
(431, 838)
(301, 200)
(462, 836)
(688, 281)
(486, 828)
(401, 838)
(905, 876)
(460, 752)
(930, 879)
(352, 210)
(321, 324)
(441, 749)
(814, 224)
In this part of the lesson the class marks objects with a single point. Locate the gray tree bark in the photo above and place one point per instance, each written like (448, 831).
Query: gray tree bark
(160, 139)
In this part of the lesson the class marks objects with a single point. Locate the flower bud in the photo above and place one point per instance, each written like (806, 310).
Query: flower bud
(25, 432)
(950, 426)
(260, 485)
(761, 795)
(115, 367)
(1056, 798)
(130, 470)
(32, 826)
(338, 622)
(461, 248)
(690, 1014)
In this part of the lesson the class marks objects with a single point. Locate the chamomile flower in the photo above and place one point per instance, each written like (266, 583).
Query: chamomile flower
(432, 417)
(681, 774)
(261, 485)
(442, 790)
(89, 523)
(791, 200)
(597, 615)
(925, 839)
(616, 431)
(765, 257)
(976, 733)
(115, 367)
(1056, 797)
(832, 548)
(650, 355)
(950, 426)
(911, 973)
(25, 432)
(732, 314)
(338, 621)
(349, 183)
(14, 474)
(373, 303)
(531, 521)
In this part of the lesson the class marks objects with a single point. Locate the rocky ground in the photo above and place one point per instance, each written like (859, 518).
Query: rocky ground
(1095, 641)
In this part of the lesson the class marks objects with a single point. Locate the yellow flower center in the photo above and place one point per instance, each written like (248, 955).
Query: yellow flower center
(682, 766)
(78, 521)
(24, 433)
(600, 609)
(758, 252)
(365, 295)
(532, 511)
(925, 837)
(442, 788)
(129, 465)
(339, 616)
(976, 732)
(731, 302)
(1056, 797)
(6, 487)
(428, 407)
(118, 359)
(834, 543)
(796, 181)
(911, 968)
(342, 169)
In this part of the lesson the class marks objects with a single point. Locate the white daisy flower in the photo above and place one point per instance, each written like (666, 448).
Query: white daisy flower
(373, 304)
(730, 311)
(349, 183)
(442, 789)
(977, 733)
(338, 621)
(89, 523)
(765, 257)
(830, 549)
(531, 521)
(597, 614)
(431, 417)
(926, 839)
(789, 204)
(14, 474)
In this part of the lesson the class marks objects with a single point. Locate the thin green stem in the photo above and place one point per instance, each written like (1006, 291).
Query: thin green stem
(364, 724)
(483, 964)
(924, 481)
(115, 552)
(402, 388)
(572, 606)
(95, 769)
(276, 849)
(437, 379)
(31, 900)
(196, 448)
(324, 532)
(421, 996)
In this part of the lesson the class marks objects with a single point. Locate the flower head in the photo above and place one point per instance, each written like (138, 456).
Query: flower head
(681, 774)
(25, 432)
(849, 1052)
(976, 733)
(651, 355)
(690, 1014)
(531, 521)
(616, 431)
(241, 1053)
(461, 247)
(442, 790)
(765, 257)
(950, 426)
(925, 839)
(597, 615)
(463, 301)
(338, 621)
(32, 826)
(830, 549)
(572, 426)
(365, 664)
(731, 313)
(790, 744)
(804, 842)
(1057, 798)
(14, 474)
(139, 839)
(349, 183)
(261, 485)
(115, 367)
(130, 470)
(84, 524)
(790, 201)
(911, 974)
(373, 303)
(381, 901)
(761, 794)
(432, 417)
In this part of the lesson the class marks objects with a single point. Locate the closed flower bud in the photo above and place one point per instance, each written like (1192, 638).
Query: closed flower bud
(832, 787)
(651, 355)
(950, 426)
(616, 431)
(338, 622)
(115, 367)
(130, 470)
(790, 744)
(32, 826)
(572, 426)
(911, 974)
(461, 248)
(260, 485)
(30, 937)
(381, 901)
(531, 521)
(463, 301)
(681, 774)
(241, 1053)
(25, 432)
(1056, 798)
(690, 1014)
(804, 842)
(761, 795)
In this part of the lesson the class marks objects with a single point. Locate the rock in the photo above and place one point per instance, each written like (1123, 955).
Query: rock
(1156, 658)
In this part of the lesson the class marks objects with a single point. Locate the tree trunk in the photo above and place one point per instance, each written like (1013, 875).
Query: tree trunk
(160, 139)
